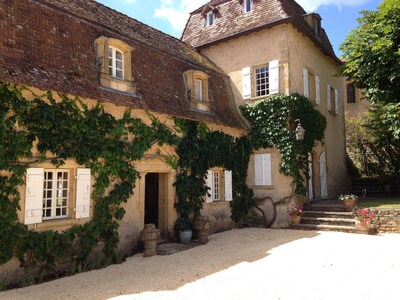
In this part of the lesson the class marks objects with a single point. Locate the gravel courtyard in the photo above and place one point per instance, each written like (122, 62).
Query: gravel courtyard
(246, 264)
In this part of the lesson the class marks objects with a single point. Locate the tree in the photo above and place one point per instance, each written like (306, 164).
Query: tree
(372, 53)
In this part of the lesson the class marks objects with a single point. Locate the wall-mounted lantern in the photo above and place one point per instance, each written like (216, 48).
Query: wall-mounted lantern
(299, 131)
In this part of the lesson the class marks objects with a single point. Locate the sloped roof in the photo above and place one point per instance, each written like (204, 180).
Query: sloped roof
(230, 22)
(49, 44)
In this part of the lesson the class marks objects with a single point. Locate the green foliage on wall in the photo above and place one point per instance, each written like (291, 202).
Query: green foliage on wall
(68, 129)
(272, 123)
(200, 150)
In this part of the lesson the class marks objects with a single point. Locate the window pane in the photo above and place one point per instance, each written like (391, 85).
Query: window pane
(351, 93)
(119, 74)
(110, 52)
(198, 85)
(118, 55)
(216, 186)
(262, 81)
(119, 64)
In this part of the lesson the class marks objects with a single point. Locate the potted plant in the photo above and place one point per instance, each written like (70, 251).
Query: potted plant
(295, 213)
(348, 200)
(364, 217)
(183, 227)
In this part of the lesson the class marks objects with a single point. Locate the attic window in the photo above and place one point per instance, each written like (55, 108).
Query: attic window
(317, 26)
(210, 18)
(247, 5)
(196, 83)
(114, 64)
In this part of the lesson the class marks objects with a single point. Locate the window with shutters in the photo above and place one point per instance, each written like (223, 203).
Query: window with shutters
(262, 169)
(261, 80)
(311, 86)
(219, 183)
(332, 100)
(196, 83)
(49, 194)
(114, 64)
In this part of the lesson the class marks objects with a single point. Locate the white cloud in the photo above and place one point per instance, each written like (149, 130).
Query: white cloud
(312, 5)
(176, 12)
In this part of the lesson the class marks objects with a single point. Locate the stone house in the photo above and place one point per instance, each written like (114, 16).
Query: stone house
(274, 46)
(243, 51)
(354, 103)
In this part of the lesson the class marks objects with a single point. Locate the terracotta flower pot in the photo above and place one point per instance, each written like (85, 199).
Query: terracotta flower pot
(296, 219)
(350, 202)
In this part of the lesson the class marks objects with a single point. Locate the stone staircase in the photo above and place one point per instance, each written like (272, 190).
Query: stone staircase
(327, 216)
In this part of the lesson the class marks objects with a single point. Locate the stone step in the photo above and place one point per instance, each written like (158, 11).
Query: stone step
(327, 207)
(328, 221)
(324, 227)
(328, 214)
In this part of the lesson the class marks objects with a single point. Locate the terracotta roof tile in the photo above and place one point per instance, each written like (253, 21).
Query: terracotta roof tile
(49, 44)
(231, 22)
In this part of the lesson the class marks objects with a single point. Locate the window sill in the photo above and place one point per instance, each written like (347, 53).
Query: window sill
(217, 203)
(114, 83)
(254, 99)
(57, 224)
(200, 105)
(263, 187)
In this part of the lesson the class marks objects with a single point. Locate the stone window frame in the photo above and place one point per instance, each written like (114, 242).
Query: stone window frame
(190, 78)
(127, 84)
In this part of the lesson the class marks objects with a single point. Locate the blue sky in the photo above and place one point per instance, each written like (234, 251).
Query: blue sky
(339, 17)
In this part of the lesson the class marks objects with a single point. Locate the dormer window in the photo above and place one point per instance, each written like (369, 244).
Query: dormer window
(210, 18)
(196, 83)
(247, 5)
(115, 63)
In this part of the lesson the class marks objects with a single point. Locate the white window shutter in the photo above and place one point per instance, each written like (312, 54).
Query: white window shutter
(228, 185)
(257, 169)
(210, 185)
(34, 196)
(317, 91)
(83, 188)
(328, 97)
(266, 168)
(274, 77)
(336, 101)
(305, 82)
(246, 82)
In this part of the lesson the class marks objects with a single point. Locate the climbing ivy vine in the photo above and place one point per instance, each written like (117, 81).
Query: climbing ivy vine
(200, 150)
(68, 129)
(272, 123)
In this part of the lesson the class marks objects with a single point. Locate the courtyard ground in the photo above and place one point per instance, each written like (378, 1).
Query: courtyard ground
(245, 264)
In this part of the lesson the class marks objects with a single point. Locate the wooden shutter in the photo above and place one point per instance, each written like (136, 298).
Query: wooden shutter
(317, 91)
(34, 196)
(328, 97)
(228, 185)
(210, 185)
(273, 77)
(305, 82)
(257, 169)
(336, 101)
(267, 174)
(262, 168)
(246, 82)
(83, 188)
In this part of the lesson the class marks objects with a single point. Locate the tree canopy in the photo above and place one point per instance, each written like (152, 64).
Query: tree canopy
(372, 53)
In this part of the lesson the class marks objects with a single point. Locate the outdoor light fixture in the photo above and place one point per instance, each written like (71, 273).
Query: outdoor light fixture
(299, 131)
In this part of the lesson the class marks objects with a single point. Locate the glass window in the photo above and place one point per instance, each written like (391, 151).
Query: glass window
(55, 194)
(198, 89)
(115, 63)
(351, 93)
(248, 5)
(216, 187)
(210, 18)
(262, 81)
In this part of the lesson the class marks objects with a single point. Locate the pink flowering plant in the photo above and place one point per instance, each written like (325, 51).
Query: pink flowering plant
(364, 215)
(294, 211)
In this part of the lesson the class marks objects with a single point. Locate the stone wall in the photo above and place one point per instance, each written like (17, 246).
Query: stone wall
(387, 220)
